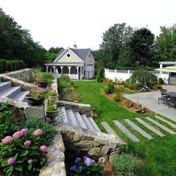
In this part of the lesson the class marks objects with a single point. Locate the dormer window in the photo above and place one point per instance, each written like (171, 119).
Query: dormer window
(68, 55)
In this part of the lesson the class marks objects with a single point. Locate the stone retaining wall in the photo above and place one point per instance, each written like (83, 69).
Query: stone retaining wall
(76, 107)
(23, 75)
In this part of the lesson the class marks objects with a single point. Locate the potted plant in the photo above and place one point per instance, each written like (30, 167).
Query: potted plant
(36, 96)
(52, 94)
(51, 110)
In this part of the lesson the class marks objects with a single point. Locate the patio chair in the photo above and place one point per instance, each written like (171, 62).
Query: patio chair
(171, 102)
(163, 97)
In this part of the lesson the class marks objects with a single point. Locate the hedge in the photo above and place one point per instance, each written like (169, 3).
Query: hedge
(11, 65)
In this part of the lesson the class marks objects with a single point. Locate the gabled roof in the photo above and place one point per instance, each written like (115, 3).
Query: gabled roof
(81, 53)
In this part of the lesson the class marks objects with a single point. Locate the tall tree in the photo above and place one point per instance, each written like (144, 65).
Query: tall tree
(165, 49)
(142, 47)
(114, 44)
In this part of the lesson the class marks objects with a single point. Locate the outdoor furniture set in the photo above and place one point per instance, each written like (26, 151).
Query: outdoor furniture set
(168, 98)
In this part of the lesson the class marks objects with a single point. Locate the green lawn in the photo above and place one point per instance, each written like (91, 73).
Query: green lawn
(158, 154)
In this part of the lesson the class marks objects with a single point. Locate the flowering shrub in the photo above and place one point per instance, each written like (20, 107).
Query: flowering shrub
(87, 166)
(37, 93)
(23, 153)
(52, 92)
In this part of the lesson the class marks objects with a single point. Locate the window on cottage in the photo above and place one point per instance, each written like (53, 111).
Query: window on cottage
(68, 55)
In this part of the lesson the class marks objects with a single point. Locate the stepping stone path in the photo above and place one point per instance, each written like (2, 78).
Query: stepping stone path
(171, 124)
(111, 131)
(160, 125)
(141, 131)
(126, 131)
(150, 127)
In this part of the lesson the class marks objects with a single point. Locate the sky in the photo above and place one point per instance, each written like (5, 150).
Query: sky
(61, 23)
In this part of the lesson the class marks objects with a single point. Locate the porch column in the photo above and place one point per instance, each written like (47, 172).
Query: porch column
(46, 68)
(54, 67)
(77, 72)
(69, 71)
(61, 69)
(81, 72)
(161, 66)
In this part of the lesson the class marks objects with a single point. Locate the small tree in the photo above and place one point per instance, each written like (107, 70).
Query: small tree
(100, 75)
(143, 77)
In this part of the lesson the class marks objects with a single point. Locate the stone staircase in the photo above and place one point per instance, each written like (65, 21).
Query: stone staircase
(12, 92)
(76, 120)
(156, 126)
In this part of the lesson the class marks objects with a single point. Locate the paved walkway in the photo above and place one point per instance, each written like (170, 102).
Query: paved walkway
(150, 101)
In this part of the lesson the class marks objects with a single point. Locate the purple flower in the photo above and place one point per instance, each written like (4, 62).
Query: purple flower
(24, 130)
(30, 161)
(11, 161)
(7, 139)
(17, 134)
(80, 169)
(88, 161)
(27, 143)
(43, 148)
(73, 168)
(77, 160)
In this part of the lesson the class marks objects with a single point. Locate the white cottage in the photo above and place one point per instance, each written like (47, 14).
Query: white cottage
(76, 63)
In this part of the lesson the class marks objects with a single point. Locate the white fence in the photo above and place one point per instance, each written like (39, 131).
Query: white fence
(123, 75)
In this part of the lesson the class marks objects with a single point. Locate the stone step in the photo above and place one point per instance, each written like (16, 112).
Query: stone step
(11, 92)
(160, 125)
(150, 127)
(62, 116)
(126, 131)
(138, 129)
(71, 118)
(87, 122)
(21, 96)
(111, 131)
(97, 129)
(4, 86)
(169, 123)
(80, 121)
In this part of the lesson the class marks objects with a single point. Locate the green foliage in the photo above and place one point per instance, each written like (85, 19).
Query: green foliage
(48, 129)
(116, 96)
(143, 77)
(115, 45)
(64, 78)
(165, 47)
(7, 125)
(48, 77)
(22, 154)
(109, 89)
(161, 81)
(125, 164)
(141, 47)
(100, 75)
(10, 65)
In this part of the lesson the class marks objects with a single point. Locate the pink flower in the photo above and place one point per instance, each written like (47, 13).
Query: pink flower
(47, 156)
(37, 132)
(11, 161)
(43, 148)
(27, 143)
(30, 161)
(102, 160)
(17, 134)
(24, 130)
(7, 139)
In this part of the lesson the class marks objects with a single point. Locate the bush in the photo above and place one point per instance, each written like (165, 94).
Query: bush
(161, 81)
(116, 96)
(109, 89)
(64, 78)
(48, 77)
(125, 164)
(100, 75)
(24, 153)
(7, 125)
(143, 77)
(48, 129)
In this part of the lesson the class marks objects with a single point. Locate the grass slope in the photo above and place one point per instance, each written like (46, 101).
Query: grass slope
(158, 156)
